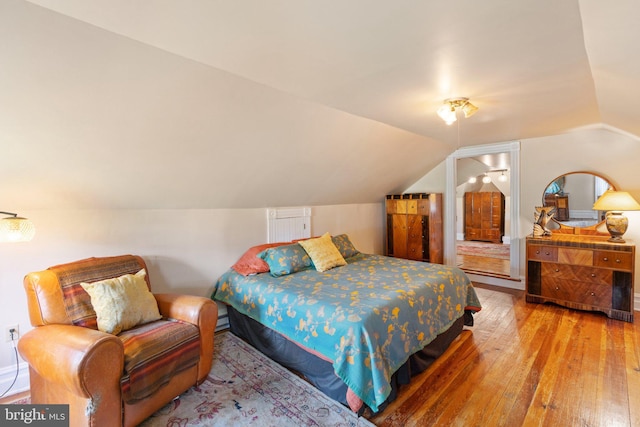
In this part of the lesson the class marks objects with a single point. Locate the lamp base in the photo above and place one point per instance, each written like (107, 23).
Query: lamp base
(616, 226)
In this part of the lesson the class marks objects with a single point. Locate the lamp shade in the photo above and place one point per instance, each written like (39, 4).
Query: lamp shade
(469, 109)
(616, 201)
(16, 229)
(447, 113)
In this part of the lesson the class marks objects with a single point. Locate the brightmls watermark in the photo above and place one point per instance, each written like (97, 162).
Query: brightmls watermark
(34, 415)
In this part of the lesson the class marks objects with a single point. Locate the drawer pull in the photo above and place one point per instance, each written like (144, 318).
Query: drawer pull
(557, 288)
(547, 253)
(557, 270)
(537, 252)
(593, 274)
(618, 261)
(593, 294)
(605, 259)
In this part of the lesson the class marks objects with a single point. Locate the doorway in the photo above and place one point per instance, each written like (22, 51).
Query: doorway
(453, 218)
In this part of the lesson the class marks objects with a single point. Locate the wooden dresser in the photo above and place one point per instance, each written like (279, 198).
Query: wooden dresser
(484, 216)
(414, 226)
(582, 272)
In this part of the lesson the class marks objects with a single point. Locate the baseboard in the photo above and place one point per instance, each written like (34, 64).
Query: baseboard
(497, 281)
(7, 376)
(505, 239)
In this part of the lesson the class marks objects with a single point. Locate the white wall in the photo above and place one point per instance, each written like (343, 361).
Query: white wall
(185, 250)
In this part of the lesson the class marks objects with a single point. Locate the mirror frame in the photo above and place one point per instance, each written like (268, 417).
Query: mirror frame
(598, 227)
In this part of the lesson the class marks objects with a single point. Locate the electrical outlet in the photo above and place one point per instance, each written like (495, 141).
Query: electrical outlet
(8, 333)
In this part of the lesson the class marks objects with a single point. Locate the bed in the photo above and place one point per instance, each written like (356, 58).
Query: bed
(356, 326)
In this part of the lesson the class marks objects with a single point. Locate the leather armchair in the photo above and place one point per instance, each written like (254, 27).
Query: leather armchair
(83, 367)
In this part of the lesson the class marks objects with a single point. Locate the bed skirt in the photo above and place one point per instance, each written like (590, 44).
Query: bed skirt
(319, 372)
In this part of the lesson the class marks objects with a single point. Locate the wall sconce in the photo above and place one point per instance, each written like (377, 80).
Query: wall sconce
(447, 112)
(15, 228)
(614, 202)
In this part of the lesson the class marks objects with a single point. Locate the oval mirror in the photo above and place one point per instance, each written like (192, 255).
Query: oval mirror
(573, 196)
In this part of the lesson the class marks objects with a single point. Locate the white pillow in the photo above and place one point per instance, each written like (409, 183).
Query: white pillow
(122, 302)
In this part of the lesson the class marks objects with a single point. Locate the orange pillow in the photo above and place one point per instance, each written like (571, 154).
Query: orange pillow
(249, 263)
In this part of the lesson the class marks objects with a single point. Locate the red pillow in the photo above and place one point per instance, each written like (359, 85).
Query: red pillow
(249, 263)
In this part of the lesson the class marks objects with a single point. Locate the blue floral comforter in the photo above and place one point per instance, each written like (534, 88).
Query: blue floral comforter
(368, 316)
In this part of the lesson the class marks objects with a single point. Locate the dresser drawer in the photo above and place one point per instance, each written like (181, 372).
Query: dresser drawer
(542, 253)
(578, 273)
(613, 259)
(591, 294)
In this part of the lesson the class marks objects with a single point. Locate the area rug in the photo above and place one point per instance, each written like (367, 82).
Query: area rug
(485, 249)
(245, 388)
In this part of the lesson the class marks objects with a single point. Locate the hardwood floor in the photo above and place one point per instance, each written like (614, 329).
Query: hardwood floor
(528, 365)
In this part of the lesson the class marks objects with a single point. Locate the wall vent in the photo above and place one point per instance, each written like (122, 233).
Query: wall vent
(286, 224)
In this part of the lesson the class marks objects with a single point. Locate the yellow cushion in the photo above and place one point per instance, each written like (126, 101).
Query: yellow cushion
(323, 252)
(122, 302)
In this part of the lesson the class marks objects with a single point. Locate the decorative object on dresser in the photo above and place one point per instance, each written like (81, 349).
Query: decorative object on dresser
(542, 217)
(615, 202)
(581, 272)
(414, 226)
(484, 216)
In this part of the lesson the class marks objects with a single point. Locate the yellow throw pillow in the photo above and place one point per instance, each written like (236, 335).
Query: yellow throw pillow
(323, 252)
(122, 302)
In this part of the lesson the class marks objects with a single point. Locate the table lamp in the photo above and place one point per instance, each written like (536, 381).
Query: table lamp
(614, 203)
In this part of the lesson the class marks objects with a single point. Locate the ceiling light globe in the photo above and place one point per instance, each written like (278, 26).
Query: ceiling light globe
(447, 113)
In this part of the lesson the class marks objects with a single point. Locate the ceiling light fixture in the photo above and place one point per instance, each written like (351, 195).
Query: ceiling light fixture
(447, 112)
(486, 179)
(502, 177)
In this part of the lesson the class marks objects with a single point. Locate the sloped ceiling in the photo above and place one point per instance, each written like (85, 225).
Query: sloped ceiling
(219, 104)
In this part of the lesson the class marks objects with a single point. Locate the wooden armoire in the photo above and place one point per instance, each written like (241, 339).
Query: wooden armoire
(414, 226)
(484, 216)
